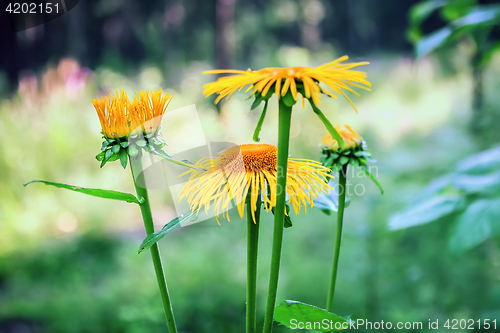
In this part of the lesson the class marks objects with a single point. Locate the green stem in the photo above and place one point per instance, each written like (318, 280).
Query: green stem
(142, 194)
(285, 116)
(252, 247)
(338, 236)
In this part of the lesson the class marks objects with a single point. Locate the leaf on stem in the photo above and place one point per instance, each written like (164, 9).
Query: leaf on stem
(169, 158)
(107, 194)
(333, 132)
(290, 312)
(259, 124)
(369, 174)
(153, 238)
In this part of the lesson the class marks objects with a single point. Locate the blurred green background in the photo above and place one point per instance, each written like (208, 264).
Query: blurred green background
(426, 249)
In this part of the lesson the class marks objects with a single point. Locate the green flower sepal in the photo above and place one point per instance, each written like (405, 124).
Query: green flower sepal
(357, 156)
(114, 149)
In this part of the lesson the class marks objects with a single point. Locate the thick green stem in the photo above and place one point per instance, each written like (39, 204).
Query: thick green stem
(285, 116)
(252, 247)
(142, 194)
(338, 236)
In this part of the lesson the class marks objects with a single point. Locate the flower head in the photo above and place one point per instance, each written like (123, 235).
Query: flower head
(354, 153)
(250, 170)
(128, 127)
(119, 116)
(306, 80)
(350, 137)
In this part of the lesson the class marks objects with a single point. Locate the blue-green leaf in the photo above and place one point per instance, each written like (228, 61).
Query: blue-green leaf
(481, 163)
(108, 194)
(433, 41)
(329, 202)
(482, 184)
(426, 211)
(476, 224)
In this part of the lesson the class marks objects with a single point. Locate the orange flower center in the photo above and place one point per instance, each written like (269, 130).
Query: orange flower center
(249, 157)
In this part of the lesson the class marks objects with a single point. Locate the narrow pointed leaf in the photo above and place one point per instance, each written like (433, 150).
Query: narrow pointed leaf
(333, 132)
(369, 174)
(169, 158)
(259, 124)
(108, 194)
(151, 239)
(123, 158)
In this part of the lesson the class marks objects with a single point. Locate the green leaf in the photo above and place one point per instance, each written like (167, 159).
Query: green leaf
(105, 144)
(422, 10)
(333, 132)
(372, 177)
(124, 144)
(108, 194)
(288, 221)
(141, 143)
(153, 238)
(123, 158)
(132, 150)
(259, 124)
(290, 313)
(169, 158)
(343, 160)
(258, 99)
(108, 154)
(116, 148)
(334, 156)
(288, 99)
(100, 156)
(476, 224)
(362, 153)
(330, 161)
(430, 210)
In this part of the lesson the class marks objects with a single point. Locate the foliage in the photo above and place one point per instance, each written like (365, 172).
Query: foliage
(470, 194)
(463, 17)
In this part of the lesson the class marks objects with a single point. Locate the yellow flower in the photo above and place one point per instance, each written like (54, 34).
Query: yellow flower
(296, 79)
(250, 169)
(351, 139)
(119, 117)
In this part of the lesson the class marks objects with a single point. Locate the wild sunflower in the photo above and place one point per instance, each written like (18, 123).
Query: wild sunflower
(250, 170)
(304, 80)
(128, 127)
(120, 117)
(287, 83)
(355, 152)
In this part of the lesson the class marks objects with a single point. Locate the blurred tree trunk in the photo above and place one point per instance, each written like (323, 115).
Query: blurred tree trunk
(77, 36)
(225, 32)
(477, 124)
(224, 35)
